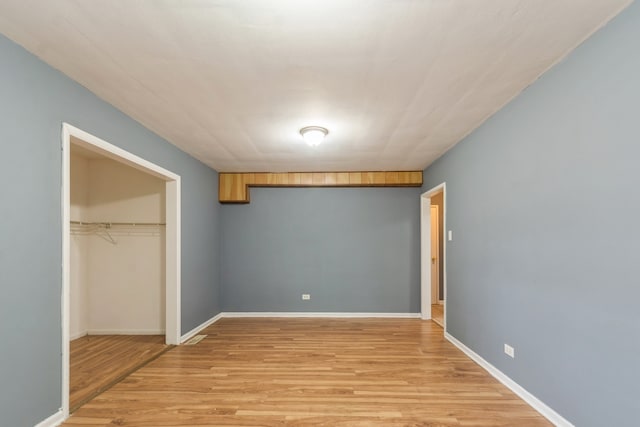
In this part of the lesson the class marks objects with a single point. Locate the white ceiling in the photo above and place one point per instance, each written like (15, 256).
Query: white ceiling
(397, 83)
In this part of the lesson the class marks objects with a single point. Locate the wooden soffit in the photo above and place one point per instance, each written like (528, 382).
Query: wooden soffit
(234, 187)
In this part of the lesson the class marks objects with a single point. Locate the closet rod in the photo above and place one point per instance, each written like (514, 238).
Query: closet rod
(133, 224)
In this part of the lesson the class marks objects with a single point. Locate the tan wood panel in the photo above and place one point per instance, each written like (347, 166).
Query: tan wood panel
(97, 361)
(278, 179)
(319, 179)
(342, 178)
(295, 178)
(312, 372)
(306, 178)
(234, 187)
(260, 178)
(355, 178)
(331, 178)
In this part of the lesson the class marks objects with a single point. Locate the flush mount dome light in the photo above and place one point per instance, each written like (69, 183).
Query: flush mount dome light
(313, 135)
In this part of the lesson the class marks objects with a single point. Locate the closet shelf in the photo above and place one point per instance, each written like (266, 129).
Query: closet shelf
(107, 230)
(116, 224)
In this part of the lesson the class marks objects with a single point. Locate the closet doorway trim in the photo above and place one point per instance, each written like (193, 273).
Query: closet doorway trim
(172, 196)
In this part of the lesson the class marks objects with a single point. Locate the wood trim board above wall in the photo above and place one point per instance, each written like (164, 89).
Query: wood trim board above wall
(234, 187)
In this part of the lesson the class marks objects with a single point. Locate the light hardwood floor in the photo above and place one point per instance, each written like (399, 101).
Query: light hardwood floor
(99, 361)
(437, 314)
(311, 372)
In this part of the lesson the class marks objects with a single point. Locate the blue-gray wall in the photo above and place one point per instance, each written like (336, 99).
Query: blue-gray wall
(352, 249)
(544, 204)
(34, 101)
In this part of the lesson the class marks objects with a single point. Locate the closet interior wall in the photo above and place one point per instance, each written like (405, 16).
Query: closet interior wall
(117, 273)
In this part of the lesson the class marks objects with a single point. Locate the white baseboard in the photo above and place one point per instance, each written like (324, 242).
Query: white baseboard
(320, 314)
(52, 421)
(533, 401)
(238, 314)
(198, 328)
(125, 332)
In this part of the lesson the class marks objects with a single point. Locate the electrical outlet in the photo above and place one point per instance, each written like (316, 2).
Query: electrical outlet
(509, 351)
(306, 296)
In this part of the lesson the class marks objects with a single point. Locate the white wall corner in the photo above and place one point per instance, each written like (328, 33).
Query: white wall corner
(78, 335)
(200, 327)
(534, 402)
(52, 421)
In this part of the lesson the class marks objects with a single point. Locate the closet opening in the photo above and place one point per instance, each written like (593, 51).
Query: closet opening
(121, 258)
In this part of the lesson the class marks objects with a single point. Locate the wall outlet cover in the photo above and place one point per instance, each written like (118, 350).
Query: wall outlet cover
(509, 351)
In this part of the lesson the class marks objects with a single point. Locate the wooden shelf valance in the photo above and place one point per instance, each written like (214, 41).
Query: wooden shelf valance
(234, 187)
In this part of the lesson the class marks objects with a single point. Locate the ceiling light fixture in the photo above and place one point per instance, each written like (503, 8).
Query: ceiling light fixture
(313, 135)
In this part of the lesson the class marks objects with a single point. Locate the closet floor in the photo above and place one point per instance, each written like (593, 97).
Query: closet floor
(97, 362)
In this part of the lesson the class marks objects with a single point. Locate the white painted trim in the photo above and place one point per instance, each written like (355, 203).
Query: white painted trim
(95, 144)
(240, 314)
(444, 254)
(52, 421)
(173, 272)
(200, 327)
(321, 315)
(173, 237)
(425, 251)
(533, 401)
(66, 265)
(425, 257)
(125, 332)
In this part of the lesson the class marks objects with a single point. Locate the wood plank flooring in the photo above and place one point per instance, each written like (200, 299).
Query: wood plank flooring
(98, 361)
(311, 372)
(437, 314)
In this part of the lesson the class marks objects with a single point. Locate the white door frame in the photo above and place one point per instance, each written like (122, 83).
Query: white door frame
(425, 251)
(172, 265)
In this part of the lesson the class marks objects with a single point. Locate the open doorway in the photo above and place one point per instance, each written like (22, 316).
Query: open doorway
(121, 258)
(433, 249)
(437, 259)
